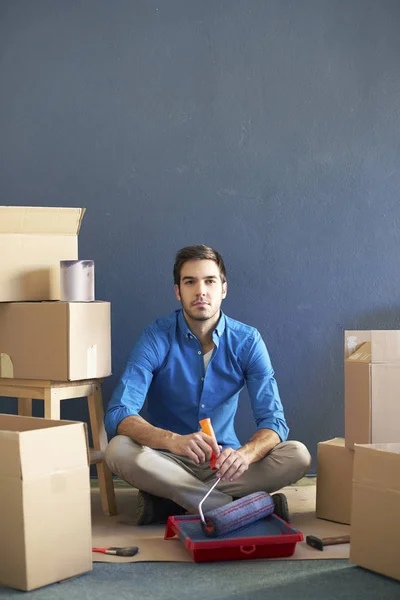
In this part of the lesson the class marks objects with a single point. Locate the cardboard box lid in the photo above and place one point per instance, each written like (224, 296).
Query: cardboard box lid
(377, 465)
(372, 346)
(38, 447)
(40, 220)
(363, 354)
(332, 442)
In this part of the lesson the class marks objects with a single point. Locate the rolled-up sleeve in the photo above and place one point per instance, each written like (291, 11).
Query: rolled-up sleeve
(129, 395)
(263, 389)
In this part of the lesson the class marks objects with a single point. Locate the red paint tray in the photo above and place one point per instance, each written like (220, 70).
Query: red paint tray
(270, 537)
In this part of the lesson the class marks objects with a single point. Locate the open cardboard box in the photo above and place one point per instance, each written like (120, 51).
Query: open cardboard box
(33, 241)
(56, 341)
(45, 525)
(372, 384)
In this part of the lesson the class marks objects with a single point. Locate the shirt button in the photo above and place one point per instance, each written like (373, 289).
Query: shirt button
(203, 406)
(199, 352)
(202, 378)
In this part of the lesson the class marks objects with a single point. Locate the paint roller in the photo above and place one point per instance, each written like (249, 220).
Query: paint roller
(239, 513)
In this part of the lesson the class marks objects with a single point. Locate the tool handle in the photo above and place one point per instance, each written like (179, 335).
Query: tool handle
(207, 428)
(339, 539)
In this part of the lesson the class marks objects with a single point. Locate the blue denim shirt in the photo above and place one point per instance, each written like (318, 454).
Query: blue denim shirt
(166, 365)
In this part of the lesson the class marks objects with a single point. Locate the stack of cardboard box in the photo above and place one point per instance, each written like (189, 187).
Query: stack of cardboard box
(40, 336)
(45, 523)
(358, 477)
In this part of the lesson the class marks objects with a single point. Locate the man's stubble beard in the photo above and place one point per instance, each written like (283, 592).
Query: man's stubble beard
(200, 317)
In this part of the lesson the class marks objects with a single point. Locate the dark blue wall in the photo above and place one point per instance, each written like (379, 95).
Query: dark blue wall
(267, 129)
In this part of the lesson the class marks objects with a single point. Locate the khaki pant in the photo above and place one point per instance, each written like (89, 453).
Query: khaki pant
(178, 478)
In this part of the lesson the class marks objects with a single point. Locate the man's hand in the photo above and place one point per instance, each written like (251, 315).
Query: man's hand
(196, 446)
(231, 464)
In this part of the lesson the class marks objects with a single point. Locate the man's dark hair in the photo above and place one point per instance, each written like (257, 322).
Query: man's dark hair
(199, 252)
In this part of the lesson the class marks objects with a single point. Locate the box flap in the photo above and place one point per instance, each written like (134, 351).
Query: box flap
(17, 423)
(9, 447)
(40, 220)
(333, 442)
(52, 450)
(377, 466)
(362, 354)
(353, 340)
(35, 447)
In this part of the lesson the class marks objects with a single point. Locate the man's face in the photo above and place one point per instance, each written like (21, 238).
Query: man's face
(201, 290)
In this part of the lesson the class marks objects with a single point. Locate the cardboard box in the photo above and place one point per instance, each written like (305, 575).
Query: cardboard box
(375, 527)
(372, 387)
(33, 241)
(380, 345)
(45, 525)
(57, 341)
(334, 481)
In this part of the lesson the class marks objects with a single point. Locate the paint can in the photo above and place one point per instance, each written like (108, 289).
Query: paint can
(77, 280)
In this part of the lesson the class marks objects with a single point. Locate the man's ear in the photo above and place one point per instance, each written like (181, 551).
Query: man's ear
(224, 289)
(177, 294)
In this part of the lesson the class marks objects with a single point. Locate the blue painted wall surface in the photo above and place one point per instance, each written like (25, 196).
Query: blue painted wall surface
(267, 129)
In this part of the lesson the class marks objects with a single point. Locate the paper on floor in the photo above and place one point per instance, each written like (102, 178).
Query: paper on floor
(121, 530)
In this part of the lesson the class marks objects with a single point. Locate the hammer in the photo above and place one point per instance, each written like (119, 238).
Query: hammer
(127, 551)
(319, 543)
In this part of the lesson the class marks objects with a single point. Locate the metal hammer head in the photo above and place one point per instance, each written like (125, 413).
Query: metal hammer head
(127, 551)
(314, 542)
(319, 543)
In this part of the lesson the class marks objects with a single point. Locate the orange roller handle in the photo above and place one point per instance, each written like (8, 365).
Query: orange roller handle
(207, 428)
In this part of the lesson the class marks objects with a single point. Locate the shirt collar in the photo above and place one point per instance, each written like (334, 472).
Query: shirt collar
(183, 326)
(220, 328)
